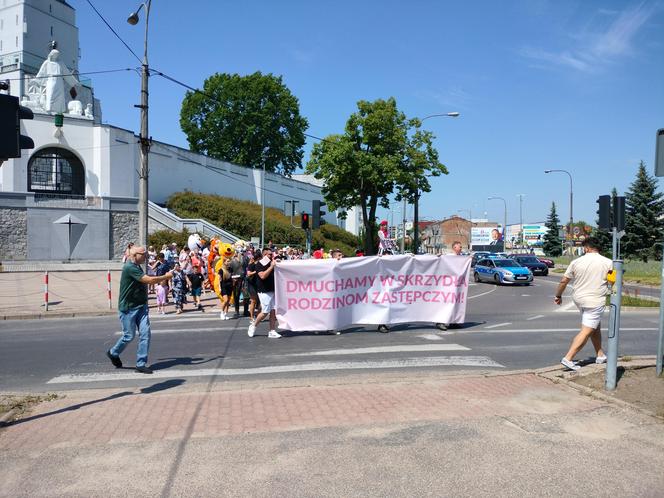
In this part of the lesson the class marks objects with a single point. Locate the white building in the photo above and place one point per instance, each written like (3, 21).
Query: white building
(74, 196)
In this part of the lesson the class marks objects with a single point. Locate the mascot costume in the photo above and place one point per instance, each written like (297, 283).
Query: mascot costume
(195, 243)
(223, 251)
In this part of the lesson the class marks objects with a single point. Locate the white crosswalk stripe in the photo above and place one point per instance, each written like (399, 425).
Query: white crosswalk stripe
(424, 362)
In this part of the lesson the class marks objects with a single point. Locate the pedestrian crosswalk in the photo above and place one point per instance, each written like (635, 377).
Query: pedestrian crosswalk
(309, 353)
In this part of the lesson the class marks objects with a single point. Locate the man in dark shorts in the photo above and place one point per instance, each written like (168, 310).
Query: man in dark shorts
(251, 287)
(133, 310)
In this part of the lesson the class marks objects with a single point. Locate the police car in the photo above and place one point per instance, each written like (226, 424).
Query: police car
(501, 271)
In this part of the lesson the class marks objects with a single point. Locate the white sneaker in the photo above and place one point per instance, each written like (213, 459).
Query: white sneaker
(274, 334)
(570, 365)
(600, 359)
(251, 330)
(222, 316)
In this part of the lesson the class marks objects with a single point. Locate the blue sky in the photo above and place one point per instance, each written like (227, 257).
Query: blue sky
(559, 84)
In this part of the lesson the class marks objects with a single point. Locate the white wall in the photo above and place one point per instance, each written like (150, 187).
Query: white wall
(111, 158)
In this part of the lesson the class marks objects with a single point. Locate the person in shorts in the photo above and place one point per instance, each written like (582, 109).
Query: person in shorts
(265, 286)
(589, 275)
(196, 281)
(225, 288)
(251, 287)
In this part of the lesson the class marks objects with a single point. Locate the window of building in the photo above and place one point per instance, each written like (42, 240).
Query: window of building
(56, 171)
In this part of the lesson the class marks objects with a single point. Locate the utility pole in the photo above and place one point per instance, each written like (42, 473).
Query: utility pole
(521, 241)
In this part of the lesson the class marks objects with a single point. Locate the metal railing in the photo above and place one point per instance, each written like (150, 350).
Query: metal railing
(193, 225)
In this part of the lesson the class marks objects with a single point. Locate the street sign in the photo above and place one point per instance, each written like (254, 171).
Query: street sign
(659, 153)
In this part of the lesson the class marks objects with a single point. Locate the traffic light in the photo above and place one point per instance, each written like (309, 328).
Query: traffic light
(604, 212)
(619, 213)
(317, 214)
(11, 140)
(304, 222)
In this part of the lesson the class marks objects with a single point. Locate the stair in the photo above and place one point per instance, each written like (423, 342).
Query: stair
(161, 218)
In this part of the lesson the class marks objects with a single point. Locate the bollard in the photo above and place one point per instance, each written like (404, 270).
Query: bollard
(108, 287)
(46, 291)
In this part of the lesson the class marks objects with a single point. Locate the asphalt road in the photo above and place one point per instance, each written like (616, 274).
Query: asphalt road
(506, 328)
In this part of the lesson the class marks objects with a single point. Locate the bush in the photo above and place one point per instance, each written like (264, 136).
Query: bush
(243, 218)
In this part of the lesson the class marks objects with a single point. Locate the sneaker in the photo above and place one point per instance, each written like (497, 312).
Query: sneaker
(251, 330)
(114, 359)
(441, 326)
(383, 329)
(273, 334)
(222, 316)
(570, 365)
(600, 359)
(144, 370)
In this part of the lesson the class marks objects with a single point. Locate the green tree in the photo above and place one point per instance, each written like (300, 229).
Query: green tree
(380, 151)
(250, 120)
(644, 225)
(552, 244)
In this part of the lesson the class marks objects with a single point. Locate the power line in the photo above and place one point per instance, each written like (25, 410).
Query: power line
(74, 74)
(212, 97)
(114, 32)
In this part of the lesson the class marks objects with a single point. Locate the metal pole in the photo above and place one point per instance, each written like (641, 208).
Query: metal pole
(145, 143)
(416, 235)
(614, 327)
(263, 208)
(504, 224)
(521, 220)
(403, 228)
(614, 244)
(660, 339)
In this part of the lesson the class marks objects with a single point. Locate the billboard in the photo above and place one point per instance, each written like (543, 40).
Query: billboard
(533, 235)
(486, 239)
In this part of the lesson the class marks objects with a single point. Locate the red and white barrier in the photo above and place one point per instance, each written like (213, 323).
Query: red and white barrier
(108, 287)
(46, 291)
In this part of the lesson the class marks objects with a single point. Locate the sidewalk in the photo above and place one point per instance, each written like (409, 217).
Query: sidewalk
(70, 294)
(414, 434)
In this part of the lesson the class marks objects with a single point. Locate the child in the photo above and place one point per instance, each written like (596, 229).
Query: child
(196, 282)
(179, 288)
(161, 297)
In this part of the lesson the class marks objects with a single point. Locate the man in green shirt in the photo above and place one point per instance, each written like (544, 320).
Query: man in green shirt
(133, 309)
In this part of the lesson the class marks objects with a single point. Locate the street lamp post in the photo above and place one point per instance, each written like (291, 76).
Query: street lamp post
(571, 201)
(521, 241)
(504, 218)
(417, 192)
(144, 171)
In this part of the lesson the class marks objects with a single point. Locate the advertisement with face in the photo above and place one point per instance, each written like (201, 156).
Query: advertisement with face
(486, 239)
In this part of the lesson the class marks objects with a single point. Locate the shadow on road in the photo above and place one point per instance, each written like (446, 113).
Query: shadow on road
(165, 363)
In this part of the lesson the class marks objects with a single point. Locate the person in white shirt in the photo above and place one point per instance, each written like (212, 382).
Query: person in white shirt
(589, 274)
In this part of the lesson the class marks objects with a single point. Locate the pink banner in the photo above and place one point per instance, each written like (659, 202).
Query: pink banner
(328, 294)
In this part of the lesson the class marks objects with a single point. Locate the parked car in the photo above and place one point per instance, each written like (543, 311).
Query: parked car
(477, 256)
(532, 263)
(548, 262)
(501, 271)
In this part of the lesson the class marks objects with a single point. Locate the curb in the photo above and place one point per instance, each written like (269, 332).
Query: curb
(56, 314)
(557, 375)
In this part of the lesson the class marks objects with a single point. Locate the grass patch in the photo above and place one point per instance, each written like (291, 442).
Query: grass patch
(636, 271)
(638, 302)
(22, 403)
